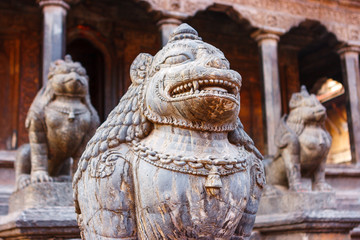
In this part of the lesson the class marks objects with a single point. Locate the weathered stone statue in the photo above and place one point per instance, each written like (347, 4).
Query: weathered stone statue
(303, 144)
(61, 120)
(172, 161)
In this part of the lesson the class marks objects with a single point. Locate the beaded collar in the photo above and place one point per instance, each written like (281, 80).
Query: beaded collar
(192, 165)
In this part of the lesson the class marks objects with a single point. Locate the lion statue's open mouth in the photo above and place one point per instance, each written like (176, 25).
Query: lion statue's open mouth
(205, 87)
(190, 84)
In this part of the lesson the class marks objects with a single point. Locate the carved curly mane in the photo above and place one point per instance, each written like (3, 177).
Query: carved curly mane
(124, 124)
(42, 99)
(295, 123)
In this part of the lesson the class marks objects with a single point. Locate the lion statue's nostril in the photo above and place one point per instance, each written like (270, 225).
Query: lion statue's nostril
(217, 63)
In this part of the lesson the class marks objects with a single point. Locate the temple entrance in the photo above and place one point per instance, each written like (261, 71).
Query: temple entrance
(308, 57)
(92, 60)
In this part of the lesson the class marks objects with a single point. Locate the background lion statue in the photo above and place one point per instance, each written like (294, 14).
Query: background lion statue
(60, 121)
(172, 161)
(303, 145)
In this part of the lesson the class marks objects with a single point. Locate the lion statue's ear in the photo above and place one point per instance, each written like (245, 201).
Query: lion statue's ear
(139, 68)
(295, 100)
(42, 99)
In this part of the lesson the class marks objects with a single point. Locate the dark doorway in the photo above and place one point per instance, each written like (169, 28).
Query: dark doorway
(308, 56)
(92, 60)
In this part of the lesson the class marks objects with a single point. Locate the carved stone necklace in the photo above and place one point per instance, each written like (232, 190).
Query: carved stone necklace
(210, 167)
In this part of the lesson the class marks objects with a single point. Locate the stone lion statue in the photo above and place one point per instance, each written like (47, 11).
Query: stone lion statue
(303, 145)
(60, 121)
(172, 161)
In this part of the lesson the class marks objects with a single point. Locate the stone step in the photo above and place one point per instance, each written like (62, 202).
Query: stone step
(7, 179)
(4, 199)
(348, 200)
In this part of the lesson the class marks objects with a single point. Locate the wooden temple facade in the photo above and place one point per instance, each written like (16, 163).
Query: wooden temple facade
(276, 45)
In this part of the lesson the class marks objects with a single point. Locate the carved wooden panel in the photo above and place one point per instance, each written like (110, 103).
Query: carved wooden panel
(29, 81)
(340, 17)
(9, 91)
(20, 42)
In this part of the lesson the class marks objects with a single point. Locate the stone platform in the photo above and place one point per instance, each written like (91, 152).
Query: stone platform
(51, 194)
(40, 223)
(7, 179)
(304, 215)
(41, 211)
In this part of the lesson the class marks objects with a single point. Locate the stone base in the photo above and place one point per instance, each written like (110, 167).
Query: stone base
(7, 179)
(4, 200)
(306, 236)
(290, 202)
(306, 215)
(40, 223)
(50, 194)
(41, 211)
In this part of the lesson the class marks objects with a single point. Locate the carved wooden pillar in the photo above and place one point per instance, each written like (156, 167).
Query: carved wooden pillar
(351, 78)
(166, 27)
(54, 32)
(268, 47)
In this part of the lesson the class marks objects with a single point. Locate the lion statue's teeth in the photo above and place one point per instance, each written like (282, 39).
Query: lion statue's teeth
(214, 86)
(215, 89)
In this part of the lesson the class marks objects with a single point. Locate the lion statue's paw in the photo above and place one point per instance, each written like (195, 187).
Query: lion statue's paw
(40, 176)
(322, 187)
(298, 187)
(23, 181)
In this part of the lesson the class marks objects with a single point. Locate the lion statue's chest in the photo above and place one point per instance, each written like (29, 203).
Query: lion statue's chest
(177, 204)
(314, 142)
(66, 127)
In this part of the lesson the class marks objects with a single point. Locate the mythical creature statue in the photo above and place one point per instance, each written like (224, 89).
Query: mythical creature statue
(303, 145)
(172, 161)
(60, 121)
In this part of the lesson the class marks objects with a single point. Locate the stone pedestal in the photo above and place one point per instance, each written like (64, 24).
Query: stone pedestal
(41, 211)
(7, 179)
(52, 194)
(306, 215)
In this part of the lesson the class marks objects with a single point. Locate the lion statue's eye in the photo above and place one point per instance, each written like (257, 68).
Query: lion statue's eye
(176, 59)
(309, 102)
(61, 70)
